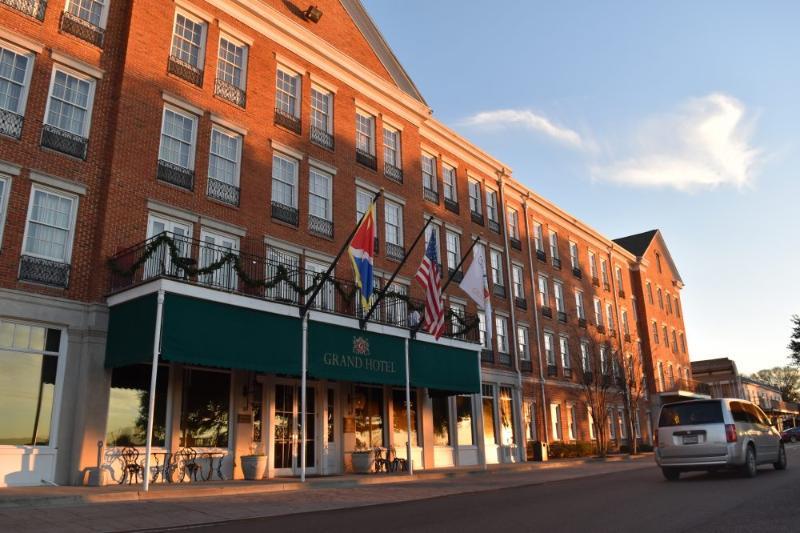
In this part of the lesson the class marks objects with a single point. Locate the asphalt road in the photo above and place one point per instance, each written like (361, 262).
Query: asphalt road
(637, 500)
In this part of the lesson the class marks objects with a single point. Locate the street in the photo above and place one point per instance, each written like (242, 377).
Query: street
(632, 500)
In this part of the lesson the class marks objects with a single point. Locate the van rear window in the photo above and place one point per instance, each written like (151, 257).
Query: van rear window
(691, 414)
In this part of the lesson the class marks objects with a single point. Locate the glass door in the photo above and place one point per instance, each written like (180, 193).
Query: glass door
(288, 429)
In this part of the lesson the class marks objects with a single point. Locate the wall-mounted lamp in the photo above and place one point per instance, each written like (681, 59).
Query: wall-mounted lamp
(313, 13)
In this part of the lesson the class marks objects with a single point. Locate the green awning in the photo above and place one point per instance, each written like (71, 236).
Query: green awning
(131, 327)
(350, 354)
(444, 368)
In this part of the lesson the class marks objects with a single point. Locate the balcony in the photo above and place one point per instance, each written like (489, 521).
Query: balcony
(393, 173)
(185, 71)
(451, 205)
(322, 138)
(541, 255)
(476, 217)
(547, 311)
(249, 273)
(562, 317)
(621, 293)
(288, 121)
(556, 263)
(223, 192)
(44, 271)
(499, 290)
(552, 371)
(230, 92)
(521, 303)
(627, 337)
(284, 213)
(612, 332)
(582, 323)
(367, 159)
(32, 8)
(430, 195)
(64, 141)
(395, 252)
(683, 384)
(503, 358)
(577, 272)
(601, 329)
(515, 243)
(11, 124)
(595, 281)
(82, 29)
(567, 372)
(494, 226)
(175, 175)
(456, 275)
(606, 286)
(487, 356)
(320, 226)
(525, 365)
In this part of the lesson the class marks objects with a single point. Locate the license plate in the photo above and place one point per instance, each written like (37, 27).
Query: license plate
(690, 439)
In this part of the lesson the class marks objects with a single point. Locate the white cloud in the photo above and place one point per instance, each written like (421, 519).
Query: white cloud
(706, 143)
(504, 118)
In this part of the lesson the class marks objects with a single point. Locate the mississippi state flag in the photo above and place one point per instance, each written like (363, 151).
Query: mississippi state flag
(430, 277)
(362, 251)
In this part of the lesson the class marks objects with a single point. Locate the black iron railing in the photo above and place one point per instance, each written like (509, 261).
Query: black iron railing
(64, 141)
(285, 213)
(321, 138)
(525, 365)
(499, 290)
(487, 356)
(515, 243)
(562, 316)
(601, 329)
(248, 272)
(11, 124)
(547, 311)
(503, 358)
(581, 322)
(552, 371)
(556, 263)
(392, 172)
(430, 195)
(494, 225)
(395, 251)
(230, 92)
(476, 217)
(82, 29)
(457, 275)
(595, 281)
(223, 192)
(32, 8)
(175, 174)
(288, 121)
(367, 159)
(683, 384)
(185, 71)
(521, 303)
(320, 226)
(577, 272)
(541, 255)
(621, 293)
(606, 286)
(44, 271)
(627, 337)
(451, 205)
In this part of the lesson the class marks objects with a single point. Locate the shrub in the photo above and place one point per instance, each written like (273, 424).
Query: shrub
(562, 450)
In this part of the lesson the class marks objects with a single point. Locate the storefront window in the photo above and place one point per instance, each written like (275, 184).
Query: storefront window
(441, 421)
(205, 412)
(28, 364)
(489, 435)
(400, 418)
(129, 402)
(464, 420)
(331, 415)
(258, 394)
(507, 427)
(369, 417)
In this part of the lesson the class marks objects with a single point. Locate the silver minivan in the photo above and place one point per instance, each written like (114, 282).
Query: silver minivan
(714, 434)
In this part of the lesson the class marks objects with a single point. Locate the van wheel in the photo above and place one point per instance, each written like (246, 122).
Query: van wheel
(671, 474)
(750, 468)
(780, 464)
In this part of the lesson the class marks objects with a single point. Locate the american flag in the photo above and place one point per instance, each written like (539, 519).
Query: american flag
(429, 276)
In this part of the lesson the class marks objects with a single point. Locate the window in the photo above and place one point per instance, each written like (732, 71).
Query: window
(660, 298)
(69, 105)
(649, 292)
(517, 285)
(634, 308)
(598, 312)
(459, 311)
(558, 292)
(206, 398)
(161, 261)
(489, 432)
(573, 255)
(491, 206)
(129, 396)
(216, 247)
(482, 329)
(610, 315)
(625, 326)
(400, 419)
(618, 273)
(450, 187)
(232, 62)
(429, 172)
(287, 92)
(433, 229)
(658, 262)
(604, 272)
(563, 345)
(670, 376)
(189, 40)
(549, 349)
(15, 77)
(593, 264)
(623, 430)
(666, 338)
(393, 218)
(178, 135)
(91, 11)
(496, 263)
(674, 341)
(464, 420)
(507, 423)
(501, 327)
(604, 362)
(319, 194)
(655, 332)
(363, 200)
(591, 422)
(440, 405)
(325, 297)
(224, 157)
(669, 303)
(586, 360)
(28, 368)
(538, 237)
(513, 224)
(284, 290)
(369, 416)
(322, 110)
(284, 180)
(391, 147)
(573, 422)
(522, 342)
(555, 419)
(50, 225)
(683, 343)
(475, 197)
(677, 307)
(453, 249)
(554, 245)
(579, 305)
(612, 424)
(544, 296)
(5, 185)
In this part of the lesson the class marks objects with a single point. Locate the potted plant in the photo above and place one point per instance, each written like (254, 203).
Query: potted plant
(363, 460)
(254, 466)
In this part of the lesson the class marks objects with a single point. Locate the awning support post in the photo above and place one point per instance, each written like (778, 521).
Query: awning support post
(152, 400)
(479, 418)
(303, 401)
(409, 460)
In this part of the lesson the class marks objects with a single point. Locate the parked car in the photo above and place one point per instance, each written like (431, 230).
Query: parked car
(791, 434)
(715, 434)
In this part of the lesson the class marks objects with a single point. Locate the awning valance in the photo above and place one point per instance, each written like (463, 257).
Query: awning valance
(444, 368)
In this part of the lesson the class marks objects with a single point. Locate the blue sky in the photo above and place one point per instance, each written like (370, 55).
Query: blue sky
(636, 115)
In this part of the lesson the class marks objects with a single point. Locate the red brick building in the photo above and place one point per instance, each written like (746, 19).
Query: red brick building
(218, 154)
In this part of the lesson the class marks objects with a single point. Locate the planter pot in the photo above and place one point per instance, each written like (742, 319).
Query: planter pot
(254, 466)
(363, 462)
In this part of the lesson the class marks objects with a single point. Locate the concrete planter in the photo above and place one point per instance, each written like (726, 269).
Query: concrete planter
(253, 466)
(363, 461)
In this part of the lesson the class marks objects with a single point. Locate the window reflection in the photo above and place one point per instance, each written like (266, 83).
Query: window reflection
(129, 402)
(441, 420)
(205, 412)
(368, 416)
(400, 419)
(489, 435)
(464, 420)
(507, 427)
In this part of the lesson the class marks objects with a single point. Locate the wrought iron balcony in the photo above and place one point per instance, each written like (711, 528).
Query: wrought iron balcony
(503, 358)
(230, 92)
(451, 205)
(430, 195)
(552, 371)
(499, 290)
(321, 138)
(577, 272)
(683, 384)
(487, 356)
(64, 141)
(541, 255)
(175, 174)
(494, 225)
(567, 372)
(515, 243)
(44, 271)
(627, 337)
(621, 293)
(11, 124)
(562, 316)
(601, 329)
(285, 213)
(595, 281)
(82, 29)
(556, 263)
(581, 322)
(395, 251)
(320, 226)
(224, 192)
(476, 217)
(393, 173)
(457, 275)
(547, 311)
(525, 365)
(288, 121)
(185, 71)
(32, 8)
(612, 332)
(367, 159)
(606, 286)
(521, 303)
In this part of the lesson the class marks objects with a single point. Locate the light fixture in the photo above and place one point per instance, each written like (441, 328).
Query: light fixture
(313, 13)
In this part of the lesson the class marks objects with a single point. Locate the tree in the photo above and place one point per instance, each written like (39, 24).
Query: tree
(785, 378)
(632, 385)
(593, 369)
(794, 341)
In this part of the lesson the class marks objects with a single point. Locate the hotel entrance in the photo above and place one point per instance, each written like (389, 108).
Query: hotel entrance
(287, 430)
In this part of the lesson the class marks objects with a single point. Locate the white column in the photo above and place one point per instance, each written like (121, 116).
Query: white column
(408, 414)
(303, 400)
(479, 418)
(153, 376)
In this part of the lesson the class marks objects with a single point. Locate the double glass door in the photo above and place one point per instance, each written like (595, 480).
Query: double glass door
(288, 430)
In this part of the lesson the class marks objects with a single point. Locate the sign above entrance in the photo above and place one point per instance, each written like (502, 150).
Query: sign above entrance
(348, 354)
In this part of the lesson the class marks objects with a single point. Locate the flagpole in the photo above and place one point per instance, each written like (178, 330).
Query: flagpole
(151, 407)
(409, 460)
(382, 293)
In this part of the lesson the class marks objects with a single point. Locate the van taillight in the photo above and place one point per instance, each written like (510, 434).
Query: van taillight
(655, 439)
(730, 432)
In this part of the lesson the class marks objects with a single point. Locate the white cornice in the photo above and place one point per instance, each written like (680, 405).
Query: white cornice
(194, 10)
(10, 169)
(226, 28)
(19, 40)
(58, 183)
(322, 165)
(179, 102)
(288, 150)
(225, 123)
(86, 68)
